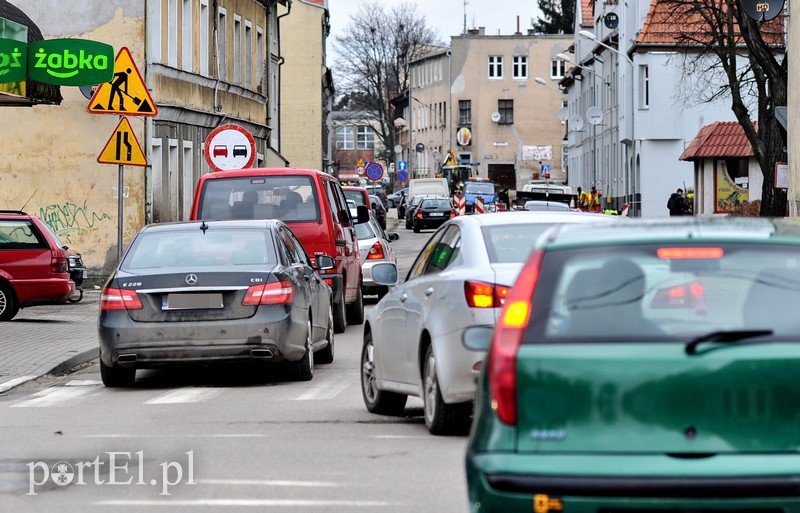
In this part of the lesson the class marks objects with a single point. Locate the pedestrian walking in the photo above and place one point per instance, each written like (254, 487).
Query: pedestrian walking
(676, 204)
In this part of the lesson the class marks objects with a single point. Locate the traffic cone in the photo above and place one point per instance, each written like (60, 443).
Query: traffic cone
(624, 210)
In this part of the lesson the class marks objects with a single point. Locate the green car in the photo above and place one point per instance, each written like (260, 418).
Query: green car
(647, 366)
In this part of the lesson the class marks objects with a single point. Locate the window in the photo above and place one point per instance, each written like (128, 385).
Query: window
(248, 55)
(557, 68)
(204, 37)
(154, 14)
(366, 138)
(519, 67)
(172, 33)
(495, 67)
(222, 41)
(259, 59)
(464, 112)
(644, 87)
(506, 110)
(344, 138)
(187, 34)
(565, 106)
(237, 50)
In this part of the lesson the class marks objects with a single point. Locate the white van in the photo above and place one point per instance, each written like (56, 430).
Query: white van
(428, 186)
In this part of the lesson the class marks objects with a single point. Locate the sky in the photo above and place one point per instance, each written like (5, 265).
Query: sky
(446, 17)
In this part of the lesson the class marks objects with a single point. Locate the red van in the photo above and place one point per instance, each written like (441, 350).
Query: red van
(312, 204)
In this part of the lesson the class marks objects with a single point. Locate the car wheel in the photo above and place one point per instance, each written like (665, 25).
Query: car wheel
(339, 322)
(75, 297)
(8, 303)
(303, 369)
(116, 376)
(441, 418)
(355, 311)
(325, 355)
(377, 401)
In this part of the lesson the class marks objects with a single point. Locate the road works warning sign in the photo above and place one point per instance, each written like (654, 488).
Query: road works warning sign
(126, 94)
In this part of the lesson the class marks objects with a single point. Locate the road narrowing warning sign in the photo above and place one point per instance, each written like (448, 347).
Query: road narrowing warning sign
(123, 148)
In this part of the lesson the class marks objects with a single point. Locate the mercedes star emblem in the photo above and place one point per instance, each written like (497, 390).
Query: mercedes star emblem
(191, 279)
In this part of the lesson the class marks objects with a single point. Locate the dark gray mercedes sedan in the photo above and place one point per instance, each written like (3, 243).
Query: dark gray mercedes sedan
(219, 291)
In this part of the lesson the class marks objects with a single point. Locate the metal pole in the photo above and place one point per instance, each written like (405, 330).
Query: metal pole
(120, 186)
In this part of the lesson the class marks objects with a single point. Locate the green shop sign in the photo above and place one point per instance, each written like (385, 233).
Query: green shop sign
(13, 60)
(70, 62)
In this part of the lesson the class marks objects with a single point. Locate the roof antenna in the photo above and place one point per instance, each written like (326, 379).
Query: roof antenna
(29, 199)
(203, 226)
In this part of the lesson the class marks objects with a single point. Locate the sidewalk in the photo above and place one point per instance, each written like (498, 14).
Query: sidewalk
(48, 339)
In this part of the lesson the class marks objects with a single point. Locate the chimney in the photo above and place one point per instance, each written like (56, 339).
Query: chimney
(517, 33)
(481, 31)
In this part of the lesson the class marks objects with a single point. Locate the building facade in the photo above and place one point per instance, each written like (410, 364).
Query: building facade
(204, 62)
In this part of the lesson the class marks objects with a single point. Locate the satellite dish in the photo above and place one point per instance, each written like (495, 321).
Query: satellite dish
(436, 155)
(563, 114)
(398, 149)
(495, 116)
(576, 123)
(594, 115)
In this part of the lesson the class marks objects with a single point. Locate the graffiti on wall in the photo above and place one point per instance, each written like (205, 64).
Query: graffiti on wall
(68, 219)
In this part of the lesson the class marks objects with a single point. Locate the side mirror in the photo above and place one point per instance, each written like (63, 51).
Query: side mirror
(344, 218)
(477, 338)
(324, 262)
(385, 273)
(363, 214)
(392, 236)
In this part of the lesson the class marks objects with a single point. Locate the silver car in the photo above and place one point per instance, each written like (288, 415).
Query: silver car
(374, 247)
(412, 337)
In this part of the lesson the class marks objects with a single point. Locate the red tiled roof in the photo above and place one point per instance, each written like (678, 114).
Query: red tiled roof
(587, 13)
(676, 21)
(720, 139)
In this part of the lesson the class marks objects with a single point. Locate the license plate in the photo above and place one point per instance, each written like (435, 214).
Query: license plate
(192, 301)
(436, 214)
(84, 274)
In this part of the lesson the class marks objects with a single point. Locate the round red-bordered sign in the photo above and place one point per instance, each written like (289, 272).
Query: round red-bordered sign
(230, 147)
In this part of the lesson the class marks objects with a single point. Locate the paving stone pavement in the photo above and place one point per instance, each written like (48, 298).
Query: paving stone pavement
(48, 339)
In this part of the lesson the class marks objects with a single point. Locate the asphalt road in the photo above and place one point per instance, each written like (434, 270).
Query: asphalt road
(222, 439)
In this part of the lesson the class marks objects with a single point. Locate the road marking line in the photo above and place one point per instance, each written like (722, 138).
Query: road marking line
(83, 383)
(184, 435)
(53, 396)
(257, 482)
(186, 395)
(326, 389)
(244, 502)
(11, 383)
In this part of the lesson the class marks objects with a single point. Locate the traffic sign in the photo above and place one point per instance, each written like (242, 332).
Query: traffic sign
(402, 165)
(123, 148)
(402, 176)
(126, 93)
(374, 171)
(545, 170)
(230, 147)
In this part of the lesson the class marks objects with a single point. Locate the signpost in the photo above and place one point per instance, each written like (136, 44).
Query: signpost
(230, 147)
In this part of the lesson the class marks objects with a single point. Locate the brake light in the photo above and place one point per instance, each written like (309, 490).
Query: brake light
(508, 338)
(452, 213)
(376, 252)
(485, 295)
(275, 293)
(419, 214)
(683, 253)
(119, 299)
(328, 281)
(59, 265)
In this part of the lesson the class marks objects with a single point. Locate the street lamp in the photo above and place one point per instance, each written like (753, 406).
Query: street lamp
(540, 80)
(589, 35)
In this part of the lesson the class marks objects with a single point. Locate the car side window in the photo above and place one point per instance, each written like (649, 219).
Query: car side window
(421, 263)
(297, 248)
(20, 234)
(337, 191)
(332, 201)
(446, 252)
(291, 246)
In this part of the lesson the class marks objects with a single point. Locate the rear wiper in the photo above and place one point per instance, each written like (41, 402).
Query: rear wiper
(725, 336)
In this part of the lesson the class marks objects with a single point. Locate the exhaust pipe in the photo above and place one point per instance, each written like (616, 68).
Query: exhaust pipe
(261, 353)
(126, 358)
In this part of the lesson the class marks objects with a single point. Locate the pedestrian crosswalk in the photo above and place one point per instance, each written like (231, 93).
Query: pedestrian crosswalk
(73, 392)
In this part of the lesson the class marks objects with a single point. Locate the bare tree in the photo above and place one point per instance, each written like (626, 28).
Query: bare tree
(750, 57)
(374, 57)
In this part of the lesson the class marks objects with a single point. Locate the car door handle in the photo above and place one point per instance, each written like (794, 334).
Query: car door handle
(403, 297)
(428, 291)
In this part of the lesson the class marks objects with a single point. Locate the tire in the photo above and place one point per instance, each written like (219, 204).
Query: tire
(441, 418)
(408, 224)
(303, 369)
(377, 401)
(355, 310)
(325, 355)
(8, 302)
(339, 321)
(116, 376)
(75, 297)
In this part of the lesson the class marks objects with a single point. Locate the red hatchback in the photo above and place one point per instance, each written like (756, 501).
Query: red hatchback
(34, 268)
(314, 207)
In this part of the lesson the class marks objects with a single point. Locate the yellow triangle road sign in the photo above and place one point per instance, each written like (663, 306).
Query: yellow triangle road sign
(123, 148)
(126, 93)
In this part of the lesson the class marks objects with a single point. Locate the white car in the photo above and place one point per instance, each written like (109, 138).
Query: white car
(413, 336)
(374, 247)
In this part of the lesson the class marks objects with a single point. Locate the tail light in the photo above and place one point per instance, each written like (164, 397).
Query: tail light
(376, 252)
(452, 213)
(508, 338)
(485, 295)
(328, 281)
(59, 265)
(119, 299)
(419, 214)
(275, 293)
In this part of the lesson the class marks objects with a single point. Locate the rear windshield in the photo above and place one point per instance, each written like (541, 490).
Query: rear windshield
(435, 203)
(655, 292)
(214, 248)
(290, 198)
(512, 243)
(478, 188)
(365, 231)
(356, 196)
